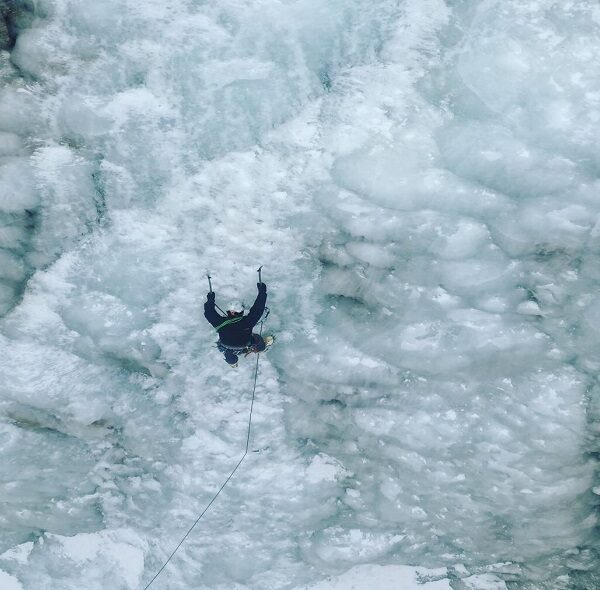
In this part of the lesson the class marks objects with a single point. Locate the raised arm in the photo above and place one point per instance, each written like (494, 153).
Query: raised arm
(258, 307)
(210, 313)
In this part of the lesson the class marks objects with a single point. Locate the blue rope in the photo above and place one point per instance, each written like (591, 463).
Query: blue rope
(224, 483)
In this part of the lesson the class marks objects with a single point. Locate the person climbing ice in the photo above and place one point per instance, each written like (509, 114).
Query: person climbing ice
(235, 329)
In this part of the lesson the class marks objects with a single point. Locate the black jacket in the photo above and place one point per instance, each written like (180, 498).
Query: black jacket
(238, 333)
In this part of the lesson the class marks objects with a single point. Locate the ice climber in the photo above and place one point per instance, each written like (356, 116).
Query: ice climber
(235, 329)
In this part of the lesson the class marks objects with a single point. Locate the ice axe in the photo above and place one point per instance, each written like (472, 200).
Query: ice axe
(260, 281)
(211, 290)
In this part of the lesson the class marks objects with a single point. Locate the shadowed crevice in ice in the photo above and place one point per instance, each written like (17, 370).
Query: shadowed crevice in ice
(43, 216)
(15, 16)
(51, 197)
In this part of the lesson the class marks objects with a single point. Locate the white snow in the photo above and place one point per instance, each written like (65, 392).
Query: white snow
(8, 582)
(323, 468)
(390, 577)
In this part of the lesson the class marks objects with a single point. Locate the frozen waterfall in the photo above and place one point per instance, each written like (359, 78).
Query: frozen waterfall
(420, 180)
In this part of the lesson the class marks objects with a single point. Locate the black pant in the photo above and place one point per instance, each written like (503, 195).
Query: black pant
(257, 344)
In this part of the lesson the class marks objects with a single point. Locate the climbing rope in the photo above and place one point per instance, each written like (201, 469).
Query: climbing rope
(224, 483)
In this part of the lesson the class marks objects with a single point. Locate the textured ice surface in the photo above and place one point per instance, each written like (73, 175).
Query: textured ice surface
(420, 181)
(388, 577)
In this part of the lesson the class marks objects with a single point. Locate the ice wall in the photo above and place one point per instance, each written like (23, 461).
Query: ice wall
(459, 387)
(419, 181)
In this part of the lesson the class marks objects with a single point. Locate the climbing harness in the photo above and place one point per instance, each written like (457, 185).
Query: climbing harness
(225, 347)
(234, 469)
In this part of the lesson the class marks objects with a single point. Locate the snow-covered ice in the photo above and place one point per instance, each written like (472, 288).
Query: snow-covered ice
(419, 180)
